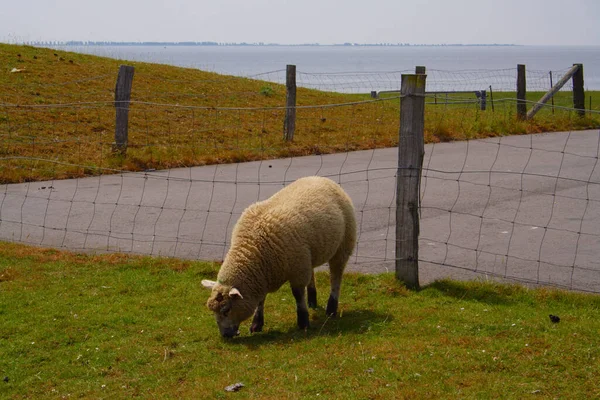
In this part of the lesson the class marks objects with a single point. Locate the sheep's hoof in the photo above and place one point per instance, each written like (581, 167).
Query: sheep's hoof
(332, 306)
(257, 323)
(303, 319)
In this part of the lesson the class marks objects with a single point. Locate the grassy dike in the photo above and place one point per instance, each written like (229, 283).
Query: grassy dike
(57, 118)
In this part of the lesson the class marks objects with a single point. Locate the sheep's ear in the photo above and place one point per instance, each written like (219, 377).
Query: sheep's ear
(208, 284)
(234, 292)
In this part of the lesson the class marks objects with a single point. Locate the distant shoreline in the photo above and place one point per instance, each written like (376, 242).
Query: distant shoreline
(244, 44)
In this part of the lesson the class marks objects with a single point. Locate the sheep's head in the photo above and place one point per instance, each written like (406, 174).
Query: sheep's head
(229, 306)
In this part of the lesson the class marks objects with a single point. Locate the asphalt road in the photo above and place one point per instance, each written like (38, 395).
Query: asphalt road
(522, 207)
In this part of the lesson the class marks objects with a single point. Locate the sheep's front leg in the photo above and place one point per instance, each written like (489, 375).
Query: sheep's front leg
(301, 308)
(259, 318)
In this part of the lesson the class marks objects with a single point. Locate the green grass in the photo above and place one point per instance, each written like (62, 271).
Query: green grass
(186, 117)
(116, 326)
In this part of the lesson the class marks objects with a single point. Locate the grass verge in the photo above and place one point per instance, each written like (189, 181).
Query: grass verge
(118, 326)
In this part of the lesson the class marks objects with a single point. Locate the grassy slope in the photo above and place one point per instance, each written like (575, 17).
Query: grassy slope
(185, 117)
(121, 326)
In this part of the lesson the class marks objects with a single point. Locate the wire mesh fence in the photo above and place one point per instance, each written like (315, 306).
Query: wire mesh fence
(500, 80)
(77, 139)
(523, 208)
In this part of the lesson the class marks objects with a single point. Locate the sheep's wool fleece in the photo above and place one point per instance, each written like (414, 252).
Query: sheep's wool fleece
(282, 238)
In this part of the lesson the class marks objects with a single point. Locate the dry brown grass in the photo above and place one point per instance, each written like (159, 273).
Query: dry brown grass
(57, 118)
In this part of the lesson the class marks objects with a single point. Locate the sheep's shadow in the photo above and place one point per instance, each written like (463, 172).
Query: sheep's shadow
(354, 322)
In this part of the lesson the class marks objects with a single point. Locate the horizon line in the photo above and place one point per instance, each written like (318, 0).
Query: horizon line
(257, 44)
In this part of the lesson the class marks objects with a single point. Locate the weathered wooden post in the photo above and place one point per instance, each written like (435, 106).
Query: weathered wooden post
(411, 150)
(521, 92)
(122, 98)
(578, 92)
(289, 124)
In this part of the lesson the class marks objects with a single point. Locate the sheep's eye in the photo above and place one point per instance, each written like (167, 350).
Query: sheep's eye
(225, 309)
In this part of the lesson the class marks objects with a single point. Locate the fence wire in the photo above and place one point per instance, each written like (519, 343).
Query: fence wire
(500, 80)
(524, 208)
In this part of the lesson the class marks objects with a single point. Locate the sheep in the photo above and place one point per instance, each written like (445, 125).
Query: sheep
(282, 239)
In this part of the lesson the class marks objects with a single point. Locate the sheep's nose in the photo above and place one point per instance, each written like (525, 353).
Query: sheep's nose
(231, 332)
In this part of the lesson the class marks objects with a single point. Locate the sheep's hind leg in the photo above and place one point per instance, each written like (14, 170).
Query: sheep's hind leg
(312, 292)
(332, 303)
(336, 269)
(259, 318)
(301, 308)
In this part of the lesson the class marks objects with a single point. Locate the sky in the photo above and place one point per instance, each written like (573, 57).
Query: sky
(527, 22)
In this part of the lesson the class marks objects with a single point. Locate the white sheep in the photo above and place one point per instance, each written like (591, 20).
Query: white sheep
(282, 239)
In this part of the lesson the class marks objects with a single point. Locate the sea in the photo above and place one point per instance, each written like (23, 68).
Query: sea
(367, 68)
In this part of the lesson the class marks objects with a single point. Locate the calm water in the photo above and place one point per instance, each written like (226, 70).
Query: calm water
(443, 63)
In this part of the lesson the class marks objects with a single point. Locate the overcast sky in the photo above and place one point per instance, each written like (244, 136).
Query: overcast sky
(546, 22)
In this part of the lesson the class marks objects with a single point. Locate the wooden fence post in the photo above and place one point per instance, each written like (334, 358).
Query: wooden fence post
(521, 92)
(578, 92)
(289, 124)
(122, 98)
(411, 150)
